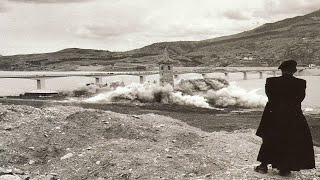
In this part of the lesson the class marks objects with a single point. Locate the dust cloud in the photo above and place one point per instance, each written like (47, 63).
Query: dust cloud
(204, 93)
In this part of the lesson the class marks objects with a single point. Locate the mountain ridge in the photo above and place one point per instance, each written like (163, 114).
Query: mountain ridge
(267, 45)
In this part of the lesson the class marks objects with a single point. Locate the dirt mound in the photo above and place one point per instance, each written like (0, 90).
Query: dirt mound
(74, 143)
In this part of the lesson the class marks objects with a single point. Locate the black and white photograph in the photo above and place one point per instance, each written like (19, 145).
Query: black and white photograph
(159, 89)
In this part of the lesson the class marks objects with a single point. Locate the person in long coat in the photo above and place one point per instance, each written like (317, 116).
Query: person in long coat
(286, 139)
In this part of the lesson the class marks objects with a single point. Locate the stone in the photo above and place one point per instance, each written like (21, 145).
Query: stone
(50, 177)
(26, 177)
(8, 128)
(31, 162)
(17, 171)
(4, 171)
(53, 174)
(67, 156)
(9, 177)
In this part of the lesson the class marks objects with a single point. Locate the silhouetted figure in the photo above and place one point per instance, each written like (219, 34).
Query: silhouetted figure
(287, 142)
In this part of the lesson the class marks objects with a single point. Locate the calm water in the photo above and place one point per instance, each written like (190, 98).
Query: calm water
(18, 86)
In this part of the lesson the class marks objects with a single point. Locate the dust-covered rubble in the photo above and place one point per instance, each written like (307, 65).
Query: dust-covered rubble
(66, 142)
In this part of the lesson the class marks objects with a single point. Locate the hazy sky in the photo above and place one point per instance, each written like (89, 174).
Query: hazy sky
(35, 26)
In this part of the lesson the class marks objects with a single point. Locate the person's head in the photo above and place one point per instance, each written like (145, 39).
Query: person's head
(288, 67)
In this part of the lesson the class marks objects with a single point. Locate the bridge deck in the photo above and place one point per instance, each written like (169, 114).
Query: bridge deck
(134, 73)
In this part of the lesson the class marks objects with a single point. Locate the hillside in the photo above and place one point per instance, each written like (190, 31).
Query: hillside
(294, 38)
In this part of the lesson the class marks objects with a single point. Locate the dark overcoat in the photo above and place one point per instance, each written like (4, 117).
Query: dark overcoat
(287, 142)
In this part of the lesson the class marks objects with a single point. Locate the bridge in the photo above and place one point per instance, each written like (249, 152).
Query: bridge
(41, 76)
(226, 73)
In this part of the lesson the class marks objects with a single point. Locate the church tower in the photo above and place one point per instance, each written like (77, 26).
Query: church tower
(166, 70)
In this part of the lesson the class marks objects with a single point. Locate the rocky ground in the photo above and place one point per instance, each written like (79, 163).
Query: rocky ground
(70, 142)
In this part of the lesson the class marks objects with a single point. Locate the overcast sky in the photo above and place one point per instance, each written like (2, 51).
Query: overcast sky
(36, 26)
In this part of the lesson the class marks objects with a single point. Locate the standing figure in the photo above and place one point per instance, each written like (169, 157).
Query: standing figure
(286, 138)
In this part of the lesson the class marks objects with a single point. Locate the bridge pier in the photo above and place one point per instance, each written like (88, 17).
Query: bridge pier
(204, 76)
(98, 80)
(142, 79)
(260, 75)
(40, 83)
(226, 74)
(245, 75)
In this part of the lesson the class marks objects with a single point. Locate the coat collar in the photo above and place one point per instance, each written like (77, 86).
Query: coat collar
(287, 76)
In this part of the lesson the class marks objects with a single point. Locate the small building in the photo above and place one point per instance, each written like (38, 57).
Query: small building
(166, 70)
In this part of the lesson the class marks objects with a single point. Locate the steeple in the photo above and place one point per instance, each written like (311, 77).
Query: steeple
(166, 69)
(165, 58)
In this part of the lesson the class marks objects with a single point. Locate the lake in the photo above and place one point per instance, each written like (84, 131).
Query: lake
(18, 86)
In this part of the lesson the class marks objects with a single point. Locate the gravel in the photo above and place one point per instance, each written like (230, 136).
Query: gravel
(67, 142)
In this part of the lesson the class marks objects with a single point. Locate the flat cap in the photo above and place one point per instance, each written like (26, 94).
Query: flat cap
(290, 65)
